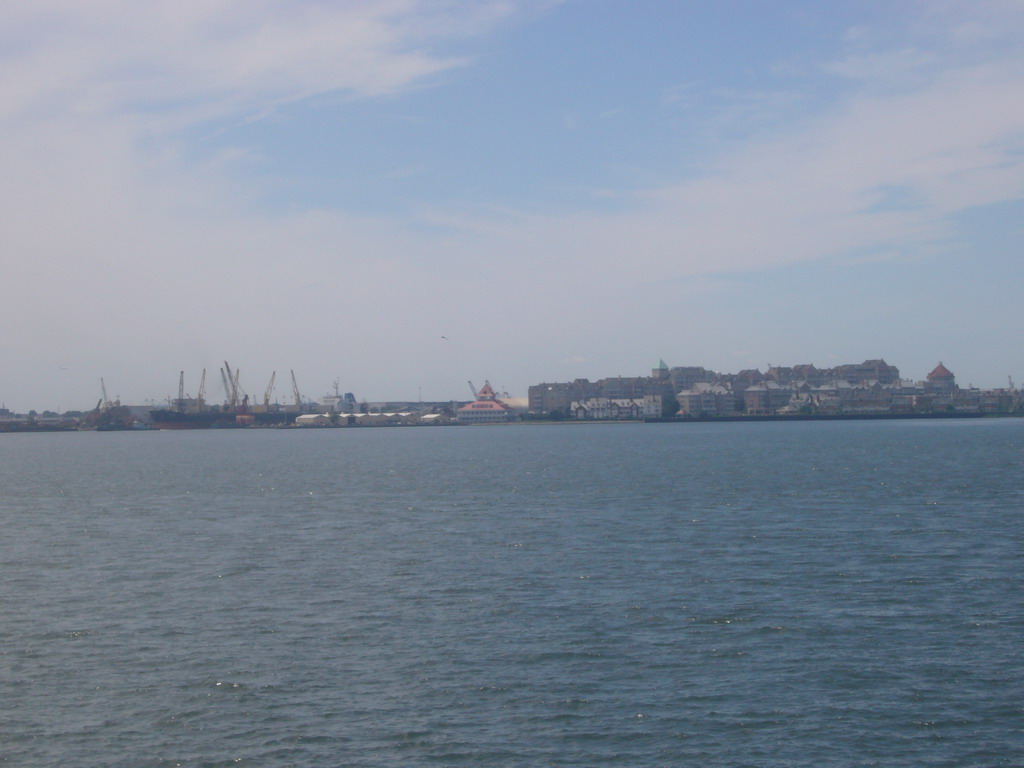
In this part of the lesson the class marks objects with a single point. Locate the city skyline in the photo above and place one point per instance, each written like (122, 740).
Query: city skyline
(280, 391)
(403, 195)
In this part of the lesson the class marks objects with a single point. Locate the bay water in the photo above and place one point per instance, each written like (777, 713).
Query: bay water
(778, 594)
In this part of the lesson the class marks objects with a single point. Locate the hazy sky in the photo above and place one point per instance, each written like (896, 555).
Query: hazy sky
(562, 189)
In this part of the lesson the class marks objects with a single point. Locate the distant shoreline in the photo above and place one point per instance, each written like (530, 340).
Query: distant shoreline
(833, 417)
(801, 417)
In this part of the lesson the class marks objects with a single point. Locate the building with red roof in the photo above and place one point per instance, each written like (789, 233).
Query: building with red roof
(486, 409)
(941, 380)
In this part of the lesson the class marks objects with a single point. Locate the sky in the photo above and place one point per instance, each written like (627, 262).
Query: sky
(399, 196)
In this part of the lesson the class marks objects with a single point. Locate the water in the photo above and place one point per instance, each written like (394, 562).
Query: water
(813, 594)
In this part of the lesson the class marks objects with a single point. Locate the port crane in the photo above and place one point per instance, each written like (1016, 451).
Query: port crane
(202, 390)
(473, 389)
(232, 386)
(295, 392)
(106, 403)
(269, 390)
(104, 407)
(227, 386)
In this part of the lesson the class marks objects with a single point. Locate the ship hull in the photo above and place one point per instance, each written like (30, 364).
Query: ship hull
(167, 419)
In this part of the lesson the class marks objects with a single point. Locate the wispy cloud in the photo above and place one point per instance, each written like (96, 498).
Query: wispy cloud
(888, 68)
(122, 237)
(949, 139)
(195, 59)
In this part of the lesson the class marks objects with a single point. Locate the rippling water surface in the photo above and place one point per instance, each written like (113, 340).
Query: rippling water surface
(812, 594)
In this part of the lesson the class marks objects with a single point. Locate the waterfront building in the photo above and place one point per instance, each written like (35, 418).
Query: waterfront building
(867, 388)
(687, 376)
(632, 387)
(547, 397)
(941, 381)
(609, 408)
(766, 398)
(486, 409)
(705, 399)
(743, 380)
(869, 370)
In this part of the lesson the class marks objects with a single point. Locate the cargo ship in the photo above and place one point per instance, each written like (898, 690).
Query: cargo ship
(169, 418)
(187, 412)
(218, 418)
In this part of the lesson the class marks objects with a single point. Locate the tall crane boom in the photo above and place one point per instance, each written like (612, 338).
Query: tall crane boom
(202, 390)
(232, 385)
(107, 402)
(295, 392)
(270, 389)
(227, 386)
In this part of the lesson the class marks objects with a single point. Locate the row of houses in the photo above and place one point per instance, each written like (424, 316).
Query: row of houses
(668, 382)
(837, 395)
(605, 408)
(871, 387)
